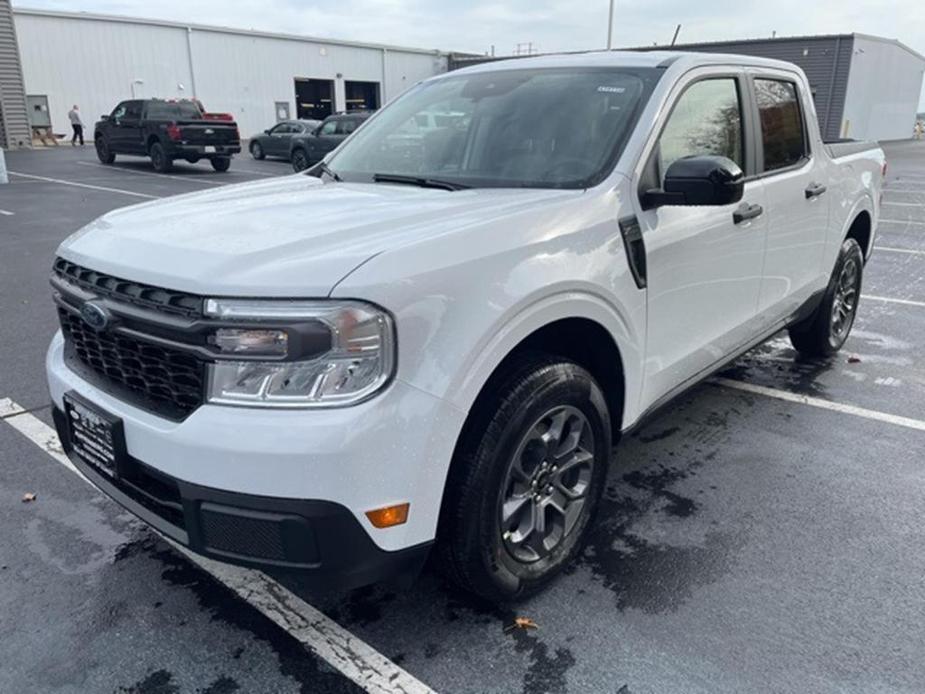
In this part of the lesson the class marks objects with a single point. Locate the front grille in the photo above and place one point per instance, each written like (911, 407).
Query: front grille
(165, 300)
(160, 379)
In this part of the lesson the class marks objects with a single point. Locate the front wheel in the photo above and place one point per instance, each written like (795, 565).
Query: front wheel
(824, 333)
(159, 159)
(525, 479)
(300, 160)
(257, 151)
(103, 153)
(221, 163)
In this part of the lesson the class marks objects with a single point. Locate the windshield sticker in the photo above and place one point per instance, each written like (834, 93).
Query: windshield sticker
(612, 90)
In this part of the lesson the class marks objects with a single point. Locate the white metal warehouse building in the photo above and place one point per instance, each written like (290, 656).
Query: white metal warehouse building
(96, 61)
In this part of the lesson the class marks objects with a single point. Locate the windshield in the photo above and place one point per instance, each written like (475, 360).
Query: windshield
(550, 128)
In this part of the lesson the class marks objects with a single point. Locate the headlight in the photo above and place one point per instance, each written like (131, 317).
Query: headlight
(356, 360)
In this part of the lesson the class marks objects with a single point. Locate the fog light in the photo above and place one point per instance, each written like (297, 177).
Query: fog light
(245, 341)
(388, 516)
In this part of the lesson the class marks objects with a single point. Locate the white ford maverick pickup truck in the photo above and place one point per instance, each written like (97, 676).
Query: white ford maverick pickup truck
(433, 339)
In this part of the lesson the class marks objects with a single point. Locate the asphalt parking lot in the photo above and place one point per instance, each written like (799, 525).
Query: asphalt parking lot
(762, 534)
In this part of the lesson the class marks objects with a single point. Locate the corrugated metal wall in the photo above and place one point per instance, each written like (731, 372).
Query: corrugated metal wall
(826, 60)
(94, 60)
(14, 124)
(883, 90)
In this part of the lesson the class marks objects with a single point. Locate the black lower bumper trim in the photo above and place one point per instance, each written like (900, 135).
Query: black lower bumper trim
(320, 540)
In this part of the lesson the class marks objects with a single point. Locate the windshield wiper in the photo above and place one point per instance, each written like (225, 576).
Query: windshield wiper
(324, 168)
(419, 181)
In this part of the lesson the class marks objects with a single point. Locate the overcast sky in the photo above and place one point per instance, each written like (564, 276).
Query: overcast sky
(476, 25)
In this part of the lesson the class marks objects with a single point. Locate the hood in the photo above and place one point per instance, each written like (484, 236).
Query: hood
(288, 236)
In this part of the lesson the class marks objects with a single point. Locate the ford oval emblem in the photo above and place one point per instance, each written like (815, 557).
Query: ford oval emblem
(94, 315)
(209, 131)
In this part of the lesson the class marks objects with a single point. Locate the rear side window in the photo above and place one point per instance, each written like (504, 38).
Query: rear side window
(782, 133)
(329, 127)
(706, 120)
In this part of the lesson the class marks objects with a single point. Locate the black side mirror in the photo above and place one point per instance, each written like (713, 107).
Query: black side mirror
(697, 181)
(105, 116)
(266, 132)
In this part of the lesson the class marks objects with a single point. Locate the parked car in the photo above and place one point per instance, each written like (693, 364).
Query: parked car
(165, 131)
(438, 346)
(309, 148)
(276, 141)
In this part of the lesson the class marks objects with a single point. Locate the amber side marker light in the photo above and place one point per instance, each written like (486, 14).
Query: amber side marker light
(389, 516)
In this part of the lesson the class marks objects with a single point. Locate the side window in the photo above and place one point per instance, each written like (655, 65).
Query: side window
(348, 125)
(707, 119)
(133, 110)
(118, 111)
(329, 127)
(782, 133)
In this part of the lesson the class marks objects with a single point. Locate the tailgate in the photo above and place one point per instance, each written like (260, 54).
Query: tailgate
(208, 132)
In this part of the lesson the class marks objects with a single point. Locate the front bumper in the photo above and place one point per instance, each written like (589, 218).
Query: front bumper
(335, 463)
(320, 539)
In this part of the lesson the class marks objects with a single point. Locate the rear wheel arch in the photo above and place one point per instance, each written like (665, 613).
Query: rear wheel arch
(150, 142)
(861, 230)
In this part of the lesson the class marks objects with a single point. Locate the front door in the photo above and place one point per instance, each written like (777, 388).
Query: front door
(704, 267)
(277, 143)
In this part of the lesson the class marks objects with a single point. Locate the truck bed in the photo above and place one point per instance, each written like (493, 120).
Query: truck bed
(844, 148)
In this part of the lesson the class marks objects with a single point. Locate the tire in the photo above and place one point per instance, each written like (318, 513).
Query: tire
(257, 151)
(103, 153)
(159, 159)
(193, 160)
(824, 332)
(300, 160)
(487, 543)
(221, 164)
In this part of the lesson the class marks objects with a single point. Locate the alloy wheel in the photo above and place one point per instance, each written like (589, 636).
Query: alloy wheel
(547, 484)
(845, 303)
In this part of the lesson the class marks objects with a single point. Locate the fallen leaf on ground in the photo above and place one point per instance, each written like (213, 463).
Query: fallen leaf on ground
(521, 623)
(28, 496)
(854, 359)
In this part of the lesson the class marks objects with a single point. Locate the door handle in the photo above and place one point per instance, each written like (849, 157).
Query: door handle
(814, 190)
(746, 212)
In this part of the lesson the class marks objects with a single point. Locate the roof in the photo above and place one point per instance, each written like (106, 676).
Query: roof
(625, 58)
(28, 11)
(785, 39)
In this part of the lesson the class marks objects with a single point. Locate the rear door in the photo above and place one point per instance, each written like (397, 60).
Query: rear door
(277, 142)
(704, 267)
(795, 179)
(329, 136)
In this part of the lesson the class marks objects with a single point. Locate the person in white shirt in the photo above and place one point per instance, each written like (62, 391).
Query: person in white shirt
(77, 125)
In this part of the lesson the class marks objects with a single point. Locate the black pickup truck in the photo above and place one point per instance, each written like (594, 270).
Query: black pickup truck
(165, 131)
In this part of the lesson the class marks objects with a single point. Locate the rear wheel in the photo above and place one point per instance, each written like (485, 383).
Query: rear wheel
(103, 152)
(257, 151)
(221, 163)
(525, 480)
(159, 159)
(300, 160)
(824, 333)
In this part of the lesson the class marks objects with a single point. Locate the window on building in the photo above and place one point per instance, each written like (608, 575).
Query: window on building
(706, 120)
(782, 133)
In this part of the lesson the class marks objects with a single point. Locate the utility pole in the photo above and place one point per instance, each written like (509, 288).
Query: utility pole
(610, 27)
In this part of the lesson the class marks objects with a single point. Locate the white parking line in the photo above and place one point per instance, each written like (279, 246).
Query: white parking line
(323, 637)
(820, 403)
(6, 213)
(194, 179)
(898, 250)
(84, 185)
(886, 299)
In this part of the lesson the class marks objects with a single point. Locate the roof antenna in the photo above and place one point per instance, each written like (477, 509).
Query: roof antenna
(676, 32)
